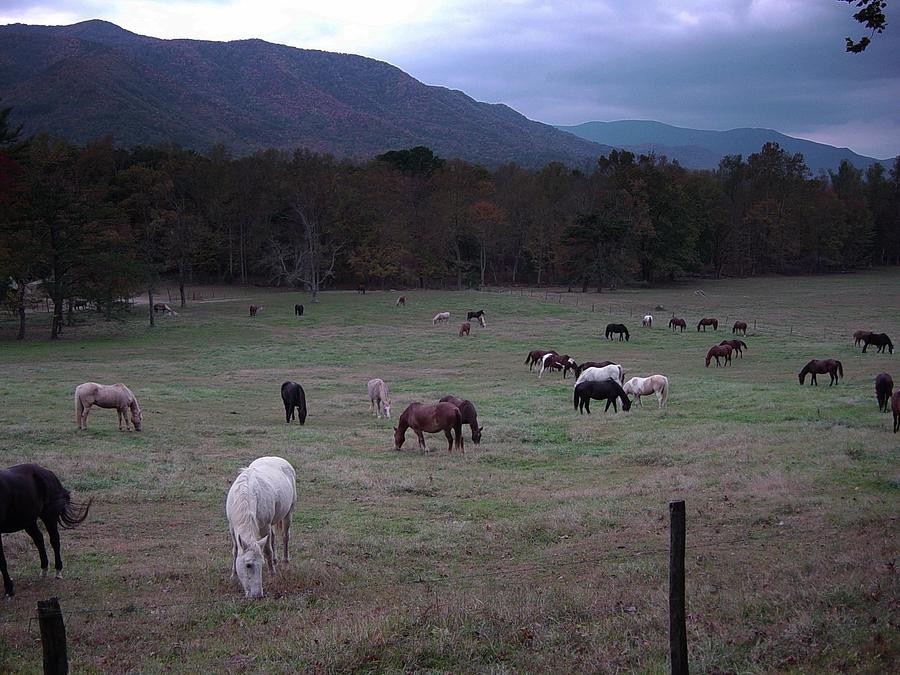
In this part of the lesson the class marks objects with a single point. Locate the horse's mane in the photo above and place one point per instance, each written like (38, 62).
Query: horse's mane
(245, 503)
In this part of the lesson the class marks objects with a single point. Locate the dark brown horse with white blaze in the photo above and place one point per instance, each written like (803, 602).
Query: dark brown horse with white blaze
(675, 322)
(703, 323)
(833, 367)
(739, 327)
(421, 417)
(884, 387)
(717, 351)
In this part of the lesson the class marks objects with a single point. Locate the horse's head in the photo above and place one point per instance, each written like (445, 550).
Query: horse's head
(399, 437)
(801, 375)
(249, 565)
(476, 435)
(387, 409)
(136, 416)
(626, 403)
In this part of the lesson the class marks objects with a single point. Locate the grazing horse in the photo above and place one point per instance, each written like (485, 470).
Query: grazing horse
(647, 321)
(884, 387)
(608, 390)
(440, 317)
(895, 408)
(617, 328)
(708, 322)
(401, 301)
(261, 496)
(561, 362)
(717, 351)
(298, 310)
(421, 417)
(859, 335)
(482, 321)
(833, 367)
(379, 399)
(644, 386)
(737, 345)
(475, 315)
(116, 396)
(361, 289)
(739, 327)
(464, 328)
(254, 309)
(880, 340)
(611, 372)
(469, 415)
(675, 322)
(580, 368)
(29, 492)
(536, 355)
(294, 397)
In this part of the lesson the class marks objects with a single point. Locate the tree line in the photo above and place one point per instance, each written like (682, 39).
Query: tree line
(96, 224)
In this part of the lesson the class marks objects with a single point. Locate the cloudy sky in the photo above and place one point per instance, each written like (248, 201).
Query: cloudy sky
(710, 64)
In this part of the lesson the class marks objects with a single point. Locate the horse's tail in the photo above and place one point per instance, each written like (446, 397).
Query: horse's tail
(74, 514)
(60, 507)
(528, 358)
(743, 344)
(457, 429)
(840, 368)
(79, 409)
(664, 393)
(575, 397)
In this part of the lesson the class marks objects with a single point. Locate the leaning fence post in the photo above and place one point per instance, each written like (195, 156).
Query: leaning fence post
(53, 637)
(677, 625)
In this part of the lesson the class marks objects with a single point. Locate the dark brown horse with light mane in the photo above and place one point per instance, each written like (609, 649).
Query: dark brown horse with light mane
(737, 345)
(739, 327)
(884, 387)
(717, 351)
(675, 322)
(833, 367)
(421, 417)
(707, 322)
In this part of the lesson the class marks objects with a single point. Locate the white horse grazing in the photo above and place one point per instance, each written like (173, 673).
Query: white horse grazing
(611, 372)
(116, 396)
(647, 321)
(262, 495)
(440, 317)
(644, 386)
(379, 399)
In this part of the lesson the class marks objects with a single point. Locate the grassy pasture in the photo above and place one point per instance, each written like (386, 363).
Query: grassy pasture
(543, 549)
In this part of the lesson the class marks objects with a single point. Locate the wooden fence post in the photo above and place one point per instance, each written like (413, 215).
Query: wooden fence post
(53, 637)
(677, 625)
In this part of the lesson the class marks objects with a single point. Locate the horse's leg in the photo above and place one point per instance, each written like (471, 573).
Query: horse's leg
(7, 582)
(587, 404)
(449, 436)
(34, 532)
(53, 533)
(269, 549)
(421, 438)
(286, 534)
(288, 412)
(84, 415)
(638, 397)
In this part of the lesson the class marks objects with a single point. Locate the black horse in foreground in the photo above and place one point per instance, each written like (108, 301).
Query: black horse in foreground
(608, 390)
(618, 328)
(29, 492)
(294, 397)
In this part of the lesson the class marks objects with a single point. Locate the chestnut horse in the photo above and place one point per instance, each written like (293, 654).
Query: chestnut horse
(739, 327)
(536, 355)
(675, 322)
(708, 322)
(895, 408)
(880, 340)
(833, 367)
(717, 351)
(859, 335)
(884, 387)
(465, 328)
(737, 345)
(469, 415)
(421, 417)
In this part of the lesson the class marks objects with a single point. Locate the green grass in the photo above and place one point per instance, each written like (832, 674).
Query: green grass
(543, 549)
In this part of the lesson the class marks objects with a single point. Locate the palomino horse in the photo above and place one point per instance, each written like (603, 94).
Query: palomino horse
(401, 301)
(675, 322)
(440, 317)
(737, 345)
(561, 362)
(611, 372)
(707, 322)
(464, 328)
(29, 492)
(116, 396)
(717, 351)
(833, 367)
(293, 397)
(298, 310)
(421, 417)
(618, 329)
(254, 309)
(880, 340)
(895, 408)
(884, 387)
(739, 327)
(536, 355)
(469, 415)
(261, 496)
(859, 335)
(644, 386)
(647, 321)
(608, 390)
(581, 367)
(379, 399)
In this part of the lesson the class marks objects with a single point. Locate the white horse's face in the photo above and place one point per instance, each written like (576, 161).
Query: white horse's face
(249, 566)
(387, 410)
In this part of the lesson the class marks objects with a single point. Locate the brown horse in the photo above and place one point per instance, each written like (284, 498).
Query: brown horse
(465, 328)
(737, 345)
(707, 322)
(859, 335)
(833, 367)
(535, 355)
(884, 387)
(739, 327)
(675, 322)
(421, 417)
(469, 415)
(717, 351)
(895, 408)
(401, 301)
(254, 309)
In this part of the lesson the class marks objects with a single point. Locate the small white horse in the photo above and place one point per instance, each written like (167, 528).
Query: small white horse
(440, 317)
(116, 396)
(261, 496)
(644, 386)
(611, 372)
(647, 321)
(379, 398)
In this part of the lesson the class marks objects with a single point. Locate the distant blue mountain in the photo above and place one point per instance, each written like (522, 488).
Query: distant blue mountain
(699, 149)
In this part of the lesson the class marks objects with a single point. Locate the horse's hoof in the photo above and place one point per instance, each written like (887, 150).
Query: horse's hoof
(59, 574)
(43, 573)
(8, 596)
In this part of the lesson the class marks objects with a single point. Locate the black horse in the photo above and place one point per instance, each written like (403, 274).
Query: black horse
(618, 328)
(880, 340)
(469, 415)
(298, 310)
(884, 387)
(29, 492)
(608, 390)
(294, 397)
(475, 315)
